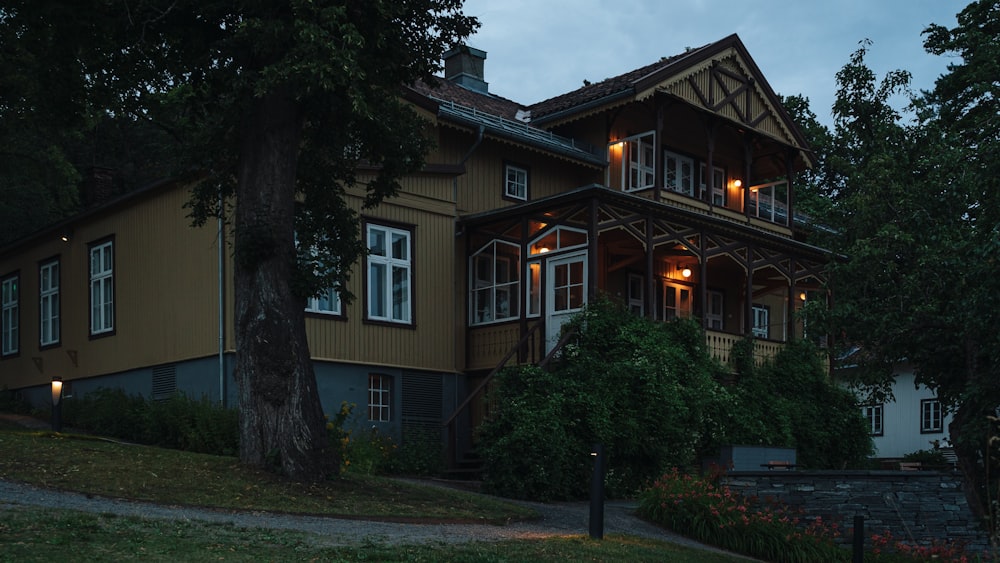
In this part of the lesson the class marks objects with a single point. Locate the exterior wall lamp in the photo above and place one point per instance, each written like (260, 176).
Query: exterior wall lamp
(57, 385)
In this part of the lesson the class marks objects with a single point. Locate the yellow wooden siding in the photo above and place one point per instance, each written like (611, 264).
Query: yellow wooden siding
(428, 344)
(165, 296)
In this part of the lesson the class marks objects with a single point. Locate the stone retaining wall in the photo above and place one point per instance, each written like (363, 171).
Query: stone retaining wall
(918, 506)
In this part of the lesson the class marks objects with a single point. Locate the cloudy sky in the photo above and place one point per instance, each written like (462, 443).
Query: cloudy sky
(537, 49)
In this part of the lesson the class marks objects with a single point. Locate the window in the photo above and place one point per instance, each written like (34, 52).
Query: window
(9, 319)
(930, 416)
(389, 270)
(326, 302)
(379, 397)
(48, 303)
(102, 288)
(678, 173)
(640, 154)
(515, 182)
(636, 302)
(714, 315)
(761, 327)
(495, 285)
(718, 185)
(676, 301)
(873, 414)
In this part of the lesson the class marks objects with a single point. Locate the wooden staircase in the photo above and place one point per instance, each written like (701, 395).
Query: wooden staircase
(463, 462)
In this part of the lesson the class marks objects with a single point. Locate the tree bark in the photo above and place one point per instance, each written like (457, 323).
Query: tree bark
(281, 417)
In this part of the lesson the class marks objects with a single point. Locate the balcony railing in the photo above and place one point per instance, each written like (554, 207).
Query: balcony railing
(720, 347)
(770, 202)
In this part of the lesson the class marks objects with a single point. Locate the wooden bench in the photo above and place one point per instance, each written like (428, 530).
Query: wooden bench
(777, 464)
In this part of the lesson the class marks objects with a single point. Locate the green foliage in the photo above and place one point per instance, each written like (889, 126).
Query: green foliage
(639, 388)
(421, 453)
(700, 509)
(12, 402)
(649, 392)
(178, 422)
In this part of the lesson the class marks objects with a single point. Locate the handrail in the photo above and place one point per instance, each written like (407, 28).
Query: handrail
(520, 343)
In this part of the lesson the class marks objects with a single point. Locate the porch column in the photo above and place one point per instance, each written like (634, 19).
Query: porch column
(790, 320)
(790, 173)
(647, 297)
(658, 152)
(748, 306)
(747, 163)
(525, 297)
(592, 233)
(703, 285)
(711, 130)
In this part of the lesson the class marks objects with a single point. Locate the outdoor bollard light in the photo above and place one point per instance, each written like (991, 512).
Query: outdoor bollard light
(858, 555)
(597, 494)
(56, 396)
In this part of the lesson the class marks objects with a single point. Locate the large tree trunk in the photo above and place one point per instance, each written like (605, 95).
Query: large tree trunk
(281, 418)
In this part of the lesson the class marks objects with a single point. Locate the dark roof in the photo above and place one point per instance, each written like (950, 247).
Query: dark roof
(605, 88)
(486, 103)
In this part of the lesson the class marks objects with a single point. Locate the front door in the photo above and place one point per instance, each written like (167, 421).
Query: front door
(566, 280)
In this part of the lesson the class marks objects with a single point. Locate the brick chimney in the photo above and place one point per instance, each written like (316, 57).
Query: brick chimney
(98, 186)
(463, 65)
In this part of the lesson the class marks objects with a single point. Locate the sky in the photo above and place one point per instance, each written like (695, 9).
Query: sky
(537, 49)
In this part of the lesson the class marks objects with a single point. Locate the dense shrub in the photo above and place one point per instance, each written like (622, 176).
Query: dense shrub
(640, 388)
(178, 422)
(13, 402)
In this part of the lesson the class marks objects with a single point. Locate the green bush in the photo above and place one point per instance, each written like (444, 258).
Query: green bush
(12, 402)
(178, 422)
(640, 388)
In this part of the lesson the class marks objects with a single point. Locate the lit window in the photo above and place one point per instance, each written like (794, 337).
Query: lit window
(102, 288)
(389, 270)
(48, 303)
(931, 416)
(9, 315)
(379, 397)
(640, 154)
(495, 281)
(873, 414)
(515, 182)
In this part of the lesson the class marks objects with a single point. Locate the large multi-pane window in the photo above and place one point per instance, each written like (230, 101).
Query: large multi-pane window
(495, 283)
(9, 315)
(48, 303)
(102, 288)
(379, 397)
(678, 173)
(640, 154)
(873, 414)
(389, 274)
(718, 180)
(931, 416)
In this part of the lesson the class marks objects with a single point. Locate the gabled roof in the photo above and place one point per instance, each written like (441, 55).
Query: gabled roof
(719, 78)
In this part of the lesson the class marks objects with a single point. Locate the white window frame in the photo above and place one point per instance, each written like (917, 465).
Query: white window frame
(760, 326)
(639, 161)
(678, 173)
(515, 182)
(48, 303)
(390, 275)
(326, 302)
(102, 288)
(719, 187)
(636, 294)
(931, 416)
(534, 288)
(678, 301)
(379, 397)
(10, 314)
(494, 297)
(715, 316)
(875, 415)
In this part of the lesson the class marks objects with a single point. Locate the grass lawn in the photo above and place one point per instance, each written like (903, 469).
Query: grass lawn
(159, 475)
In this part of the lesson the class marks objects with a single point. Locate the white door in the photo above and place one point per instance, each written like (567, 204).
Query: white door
(566, 281)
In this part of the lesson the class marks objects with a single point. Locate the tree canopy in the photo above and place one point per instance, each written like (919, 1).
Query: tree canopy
(272, 102)
(915, 214)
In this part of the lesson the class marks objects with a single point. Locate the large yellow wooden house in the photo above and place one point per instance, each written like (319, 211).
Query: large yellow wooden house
(668, 187)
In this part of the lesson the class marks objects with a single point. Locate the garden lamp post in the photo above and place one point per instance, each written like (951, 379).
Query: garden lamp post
(56, 397)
